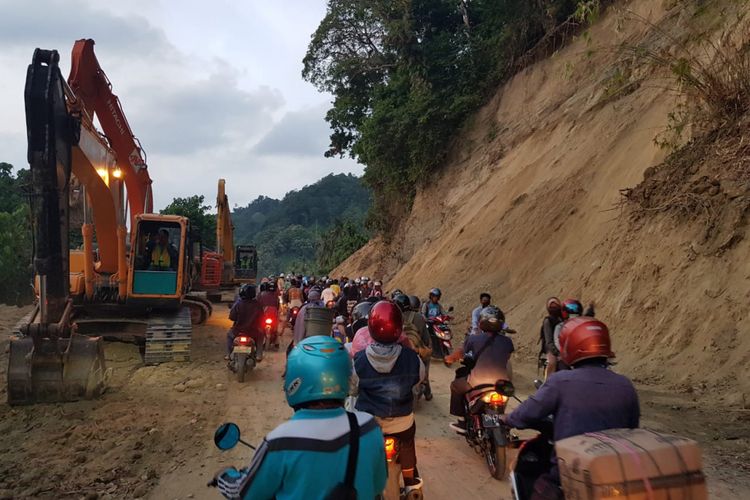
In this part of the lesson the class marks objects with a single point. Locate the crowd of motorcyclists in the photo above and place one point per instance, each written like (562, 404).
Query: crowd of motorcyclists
(375, 362)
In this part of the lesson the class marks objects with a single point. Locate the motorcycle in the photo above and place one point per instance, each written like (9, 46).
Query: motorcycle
(244, 356)
(441, 335)
(533, 460)
(394, 488)
(486, 433)
(271, 331)
(226, 437)
(293, 312)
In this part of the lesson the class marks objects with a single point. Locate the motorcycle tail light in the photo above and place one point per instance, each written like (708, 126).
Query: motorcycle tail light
(390, 449)
(269, 321)
(243, 339)
(495, 398)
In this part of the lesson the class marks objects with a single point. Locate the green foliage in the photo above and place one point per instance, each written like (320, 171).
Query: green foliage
(202, 222)
(343, 239)
(15, 237)
(406, 75)
(287, 233)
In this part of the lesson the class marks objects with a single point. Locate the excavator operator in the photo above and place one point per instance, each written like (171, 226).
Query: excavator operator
(161, 255)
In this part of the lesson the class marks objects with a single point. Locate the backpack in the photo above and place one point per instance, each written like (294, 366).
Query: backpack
(411, 332)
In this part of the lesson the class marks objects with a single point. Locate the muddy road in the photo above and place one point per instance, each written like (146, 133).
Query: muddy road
(150, 436)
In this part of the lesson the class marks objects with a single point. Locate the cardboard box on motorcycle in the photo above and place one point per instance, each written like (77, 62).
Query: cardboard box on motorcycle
(633, 464)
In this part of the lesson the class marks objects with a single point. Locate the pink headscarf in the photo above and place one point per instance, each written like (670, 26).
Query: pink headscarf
(362, 339)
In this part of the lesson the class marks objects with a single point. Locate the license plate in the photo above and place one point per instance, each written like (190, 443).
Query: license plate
(491, 420)
(241, 349)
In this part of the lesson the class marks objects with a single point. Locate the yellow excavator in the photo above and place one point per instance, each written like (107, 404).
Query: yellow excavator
(133, 287)
(228, 266)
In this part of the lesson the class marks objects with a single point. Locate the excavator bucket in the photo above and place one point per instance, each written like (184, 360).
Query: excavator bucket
(66, 369)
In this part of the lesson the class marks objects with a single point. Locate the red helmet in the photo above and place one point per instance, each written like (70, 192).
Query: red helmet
(385, 322)
(584, 338)
(571, 306)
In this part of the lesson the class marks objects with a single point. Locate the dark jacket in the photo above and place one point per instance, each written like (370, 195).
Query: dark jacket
(590, 398)
(247, 316)
(387, 374)
(547, 335)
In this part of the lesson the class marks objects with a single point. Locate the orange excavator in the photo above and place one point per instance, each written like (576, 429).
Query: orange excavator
(134, 288)
(228, 266)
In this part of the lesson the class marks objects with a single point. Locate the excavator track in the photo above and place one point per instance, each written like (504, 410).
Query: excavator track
(200, 309)
(168, 337)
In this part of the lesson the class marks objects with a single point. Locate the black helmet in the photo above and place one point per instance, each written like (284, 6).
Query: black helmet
(436, 292)
(247, 291)
(414, 302)
(263, 286)
(395, 293)
(491, 319)
(402, 301)
(361, 310)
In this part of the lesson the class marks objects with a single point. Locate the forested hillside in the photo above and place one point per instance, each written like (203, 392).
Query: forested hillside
(303, 230)
(15, 238)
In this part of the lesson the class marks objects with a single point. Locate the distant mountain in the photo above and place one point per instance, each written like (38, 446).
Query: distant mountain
(288, 232)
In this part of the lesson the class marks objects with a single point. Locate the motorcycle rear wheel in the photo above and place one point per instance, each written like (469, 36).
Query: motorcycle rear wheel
(497, 460)
(241, 366)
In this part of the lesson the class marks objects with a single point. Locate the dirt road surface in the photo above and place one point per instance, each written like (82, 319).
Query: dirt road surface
(150, 436)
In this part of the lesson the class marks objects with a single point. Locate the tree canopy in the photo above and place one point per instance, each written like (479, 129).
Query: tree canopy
(15, 237)
(288, 233)
(405, 75)
(202, 222)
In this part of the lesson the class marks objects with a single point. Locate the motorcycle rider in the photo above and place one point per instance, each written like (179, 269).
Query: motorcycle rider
(587, 398)
(487, 359)
(247, 315)
(269, 300)
(414, 322)
(571, 308)
(306, 457)
(385, 374)
(294, 294)
(377, 289)
(299, 324)
(485, 299)
(432, 308)
(547, 334)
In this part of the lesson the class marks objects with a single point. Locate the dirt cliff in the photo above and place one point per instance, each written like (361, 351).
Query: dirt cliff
(530, 204)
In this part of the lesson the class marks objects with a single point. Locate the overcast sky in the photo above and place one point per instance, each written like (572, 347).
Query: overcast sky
(212, 89)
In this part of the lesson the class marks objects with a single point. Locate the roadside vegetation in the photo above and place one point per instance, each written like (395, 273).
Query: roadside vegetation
(406, 75)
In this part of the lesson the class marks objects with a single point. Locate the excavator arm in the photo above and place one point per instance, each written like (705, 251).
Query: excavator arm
(50, 362)
(224, 233)
(94, 93)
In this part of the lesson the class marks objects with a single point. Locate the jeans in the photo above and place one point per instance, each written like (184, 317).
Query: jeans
(407, 454)
(459, 387)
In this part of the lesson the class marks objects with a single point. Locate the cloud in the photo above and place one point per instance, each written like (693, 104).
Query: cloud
(203, 114)
(300, 133)
(57, 23)
(208, 98)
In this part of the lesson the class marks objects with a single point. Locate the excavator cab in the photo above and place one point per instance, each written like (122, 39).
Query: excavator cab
(160, 268)
(245, 264)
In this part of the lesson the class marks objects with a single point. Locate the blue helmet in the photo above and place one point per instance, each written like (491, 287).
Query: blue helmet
(318, 368)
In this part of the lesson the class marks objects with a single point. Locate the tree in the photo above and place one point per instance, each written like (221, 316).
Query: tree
(339, 242)
(202, 222)
(405, 76)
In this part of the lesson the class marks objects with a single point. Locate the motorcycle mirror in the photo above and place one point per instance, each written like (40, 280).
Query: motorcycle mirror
(450, 309)
(537, 383)
(227, 436)
(505, 387)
